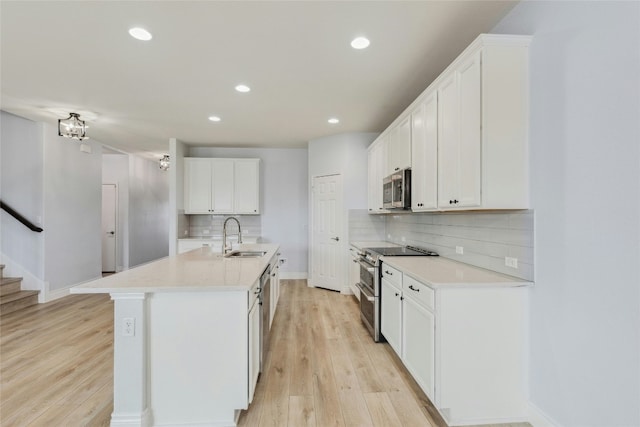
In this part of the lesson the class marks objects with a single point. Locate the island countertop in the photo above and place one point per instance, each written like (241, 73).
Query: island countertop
(198, 270)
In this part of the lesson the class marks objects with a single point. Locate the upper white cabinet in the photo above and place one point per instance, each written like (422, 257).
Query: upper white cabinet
(221, 186)
(424, 149)
(377, 156)
(247, 186)
(399, 150)
(479, 110)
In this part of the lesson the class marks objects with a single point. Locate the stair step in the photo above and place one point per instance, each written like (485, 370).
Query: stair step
(9, 285)
(17, 300)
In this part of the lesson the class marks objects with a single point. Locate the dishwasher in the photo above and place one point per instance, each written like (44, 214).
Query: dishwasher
(265, 314)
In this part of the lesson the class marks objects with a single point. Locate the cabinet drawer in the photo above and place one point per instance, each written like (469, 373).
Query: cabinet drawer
(392, 275)
(419, 292)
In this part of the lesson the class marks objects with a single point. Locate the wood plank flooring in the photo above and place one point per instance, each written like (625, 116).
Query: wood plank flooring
(324, 369)
(56, 363)
(56, 367)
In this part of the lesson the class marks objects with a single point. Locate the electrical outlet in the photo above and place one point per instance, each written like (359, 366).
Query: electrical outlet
(128, 326)
(511, 262)
(388, 236)
(245, 231)
(460, 250)
(283, 260)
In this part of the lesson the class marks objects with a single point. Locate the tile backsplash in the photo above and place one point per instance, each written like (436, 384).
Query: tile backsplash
(211, 225)
(486, 237)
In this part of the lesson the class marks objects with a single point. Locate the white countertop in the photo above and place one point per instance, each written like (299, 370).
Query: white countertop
(439, 272)
(218, 237)
(196, 270)
(373, 244)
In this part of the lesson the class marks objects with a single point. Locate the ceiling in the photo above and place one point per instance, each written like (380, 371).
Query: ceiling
(68, 56)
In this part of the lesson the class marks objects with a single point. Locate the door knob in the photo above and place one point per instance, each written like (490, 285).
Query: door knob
(337, 239)
(111, 232)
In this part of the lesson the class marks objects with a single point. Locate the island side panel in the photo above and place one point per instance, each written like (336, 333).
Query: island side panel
(130, 398)
(198, 357)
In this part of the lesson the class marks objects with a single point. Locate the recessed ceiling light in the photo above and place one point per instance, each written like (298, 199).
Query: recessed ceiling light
(214, 118)
(243, 88)
(140, 34)
(333, 121)
(360, 43)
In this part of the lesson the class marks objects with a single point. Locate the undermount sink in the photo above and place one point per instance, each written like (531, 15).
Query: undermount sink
(245, 254)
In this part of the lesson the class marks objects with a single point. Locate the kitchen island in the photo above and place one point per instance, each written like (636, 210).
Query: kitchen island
(184, 338)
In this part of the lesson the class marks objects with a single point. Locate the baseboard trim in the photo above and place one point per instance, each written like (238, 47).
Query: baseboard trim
(142, 419)
(291, 275)
(50, 295)
(537, 418)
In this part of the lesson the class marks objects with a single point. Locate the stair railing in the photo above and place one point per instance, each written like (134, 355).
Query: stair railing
(31, 226)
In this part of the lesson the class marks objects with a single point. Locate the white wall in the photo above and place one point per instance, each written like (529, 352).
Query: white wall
(344, 154)
(115, 170)
(283, 200)
(72, 210)
(585, 139)
(148, 211)
(21, 187)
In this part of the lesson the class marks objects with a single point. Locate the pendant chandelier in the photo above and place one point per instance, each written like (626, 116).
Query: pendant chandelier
(72, 127)
(164, 162)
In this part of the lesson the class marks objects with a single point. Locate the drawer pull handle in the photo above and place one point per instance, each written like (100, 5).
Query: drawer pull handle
(414, 289)
(388, 272)
(397, 294)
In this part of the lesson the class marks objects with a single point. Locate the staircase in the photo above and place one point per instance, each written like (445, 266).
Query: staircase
(12, 298)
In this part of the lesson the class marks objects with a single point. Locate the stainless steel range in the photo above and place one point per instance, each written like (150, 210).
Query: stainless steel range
(369, 286)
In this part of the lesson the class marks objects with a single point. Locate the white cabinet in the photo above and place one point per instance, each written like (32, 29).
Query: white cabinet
(247, 186)
(459, 141)
(221, 186)
(457, 340)
(476, 114)
(274, 295)
(424, 149)
(254, 340)
(399, 151)
(377, 157)
(483, 126)
(418, 334)
(391, 315)
(354, 270)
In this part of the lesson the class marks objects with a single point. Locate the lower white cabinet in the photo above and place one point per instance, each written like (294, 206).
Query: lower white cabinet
(354, 271)
(275, 288)
(418, 343)
(391, 315)
(254, 342)
(464, 346)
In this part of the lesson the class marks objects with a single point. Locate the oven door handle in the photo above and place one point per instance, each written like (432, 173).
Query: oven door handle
(368, 267)
(364, 291)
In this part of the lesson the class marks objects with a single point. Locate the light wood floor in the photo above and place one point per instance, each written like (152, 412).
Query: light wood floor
(323, 369)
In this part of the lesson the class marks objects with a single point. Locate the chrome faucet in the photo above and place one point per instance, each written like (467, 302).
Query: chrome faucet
(224, 234)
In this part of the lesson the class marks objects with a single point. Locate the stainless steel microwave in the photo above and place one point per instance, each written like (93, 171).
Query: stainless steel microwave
(396, 190)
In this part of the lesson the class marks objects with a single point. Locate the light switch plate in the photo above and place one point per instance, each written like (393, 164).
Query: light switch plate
(511, 262)
(460, 250)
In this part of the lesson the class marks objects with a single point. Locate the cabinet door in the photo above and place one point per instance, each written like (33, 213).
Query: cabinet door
(254, 348)
(354, 273)
(418, 344)
(448, 142)
(468, 194)
(275, 290)
(222, 178)
(377, 166)
(424, 157)
(197, 195)
(247, 186)
(391, 315)
(399, 155)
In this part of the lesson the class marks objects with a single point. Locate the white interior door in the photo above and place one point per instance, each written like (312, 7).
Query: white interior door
(328, 236)
(109, 206)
